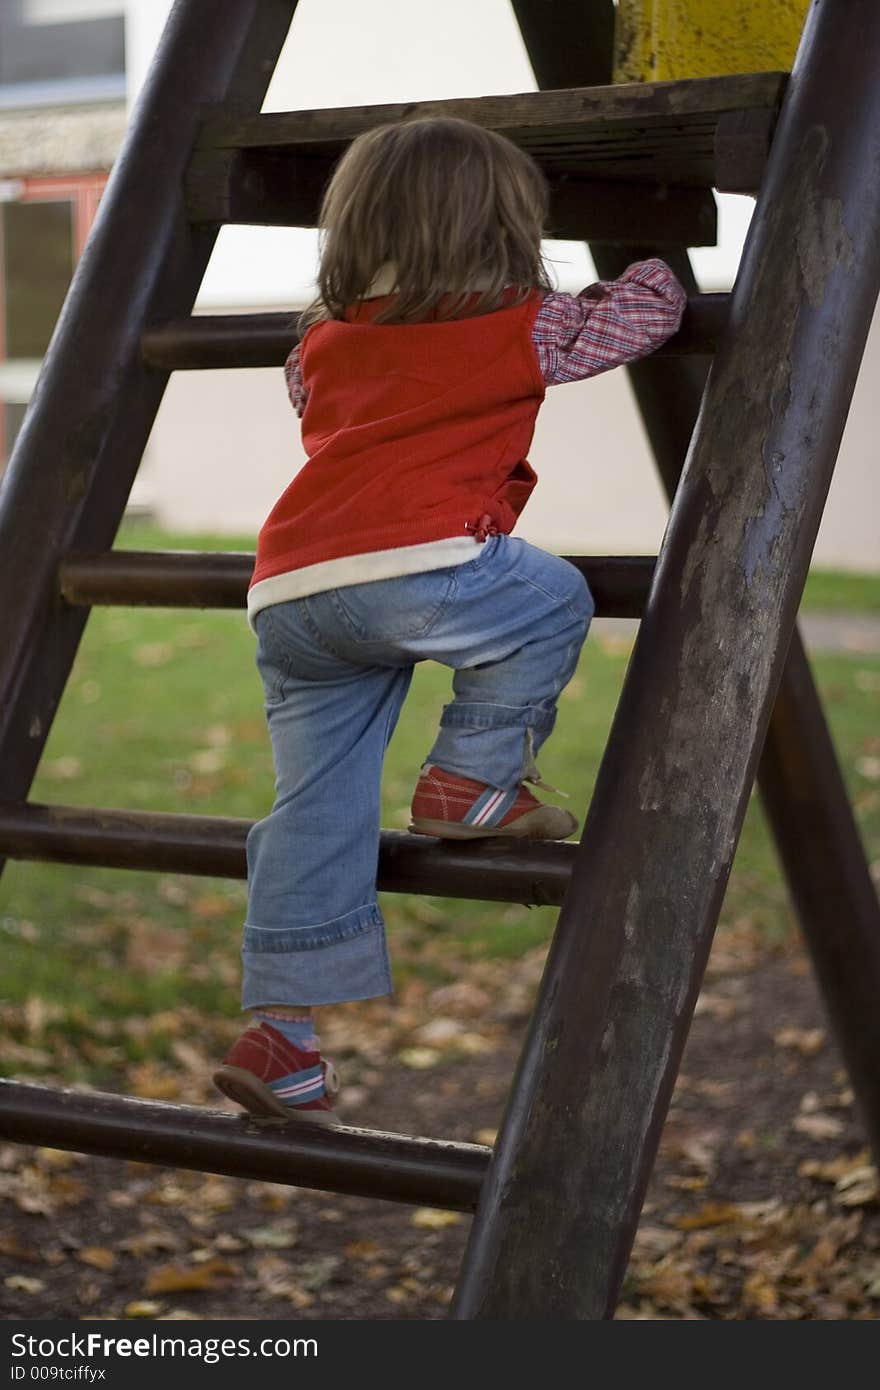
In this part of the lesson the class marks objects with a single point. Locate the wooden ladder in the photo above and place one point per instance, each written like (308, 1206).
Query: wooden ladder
(631, 169)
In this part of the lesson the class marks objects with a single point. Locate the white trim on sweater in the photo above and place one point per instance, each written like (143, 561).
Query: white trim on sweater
(360, 569)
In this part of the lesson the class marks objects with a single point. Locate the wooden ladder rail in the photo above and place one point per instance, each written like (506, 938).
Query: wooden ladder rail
(559, 1207)
(801, 783)
(70, 475)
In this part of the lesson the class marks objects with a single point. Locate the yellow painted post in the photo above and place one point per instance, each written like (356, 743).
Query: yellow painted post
(660, 40)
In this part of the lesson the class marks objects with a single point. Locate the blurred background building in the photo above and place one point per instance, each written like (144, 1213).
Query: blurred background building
(226, 443)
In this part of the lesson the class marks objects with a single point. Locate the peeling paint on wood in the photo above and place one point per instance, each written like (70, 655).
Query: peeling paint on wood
(697, 38)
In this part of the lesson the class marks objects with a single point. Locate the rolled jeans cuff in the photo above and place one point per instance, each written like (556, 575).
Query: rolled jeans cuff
(481, 716)
(327, 964)
(491, 743)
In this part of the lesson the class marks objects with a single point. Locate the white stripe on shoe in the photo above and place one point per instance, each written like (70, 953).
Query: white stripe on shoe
(484, 816)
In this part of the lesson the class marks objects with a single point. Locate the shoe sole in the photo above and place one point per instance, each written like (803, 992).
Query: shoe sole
(532, 826)
(545, 823)
(260, 1101)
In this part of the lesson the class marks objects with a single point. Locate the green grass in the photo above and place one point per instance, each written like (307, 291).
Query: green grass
(164, 712)
(832, 591)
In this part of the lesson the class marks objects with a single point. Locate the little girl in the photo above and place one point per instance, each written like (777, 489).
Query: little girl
(418, 380)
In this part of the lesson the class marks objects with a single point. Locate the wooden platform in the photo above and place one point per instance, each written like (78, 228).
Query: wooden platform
(623, 161)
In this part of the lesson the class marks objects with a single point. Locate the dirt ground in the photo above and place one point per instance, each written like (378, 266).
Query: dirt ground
(763, 1204)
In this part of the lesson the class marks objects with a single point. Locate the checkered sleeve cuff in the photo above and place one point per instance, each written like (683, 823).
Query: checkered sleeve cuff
(607, 324)
(293, 376)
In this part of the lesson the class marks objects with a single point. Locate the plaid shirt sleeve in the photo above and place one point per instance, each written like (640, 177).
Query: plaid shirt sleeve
(607, 324)
(293, 376)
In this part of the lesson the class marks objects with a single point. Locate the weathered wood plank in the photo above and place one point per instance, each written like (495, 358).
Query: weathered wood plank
(272, 169)
(570, 110)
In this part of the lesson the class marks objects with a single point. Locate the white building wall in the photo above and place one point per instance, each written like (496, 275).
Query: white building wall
(226, 444)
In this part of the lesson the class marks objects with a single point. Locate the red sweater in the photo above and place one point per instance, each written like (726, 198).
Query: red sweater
(414, 433)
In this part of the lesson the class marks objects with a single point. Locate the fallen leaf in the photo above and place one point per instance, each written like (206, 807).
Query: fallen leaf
(216, 1194)
(150, 947)
(21, 1283)
(398, 1294)
(419, 1058)
(696, 1183)
(143, 1308)
(834, 1169)
(171, 891)
(97, 1256)
(153, 653)
(475, 1044)
(207, 760)
(314, 1274)
(858, 1188)
(11, 1245)
(367, 1250)
(66, 1191)
(438, 1031)
(189, 1057)
(299, 1298)
(807, 1041)
(818, 1126)
(463, 998)
(153, 1082)
(208, 907)
(63, 769)
(218, 736)
(710, 1214)
(279, 1237)
(214, 1274)
(230, 1243)
(759, 1293)
(669, 1282)
(430, 1219)
(40, 1012)
(58, 1158)
(485, 1136)
(655, 1240)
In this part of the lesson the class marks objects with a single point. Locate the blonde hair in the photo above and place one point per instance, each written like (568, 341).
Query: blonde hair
(456, 210)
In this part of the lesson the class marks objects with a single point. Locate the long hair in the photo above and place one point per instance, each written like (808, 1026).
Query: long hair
(452, 212)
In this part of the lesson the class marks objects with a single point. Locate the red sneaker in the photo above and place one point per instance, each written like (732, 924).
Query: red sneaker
(458, 808)
(269, 1076)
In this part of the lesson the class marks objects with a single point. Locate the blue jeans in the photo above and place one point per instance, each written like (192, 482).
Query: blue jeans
(336, 667)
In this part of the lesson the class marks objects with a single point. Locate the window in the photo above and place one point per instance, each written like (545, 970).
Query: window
(43, 228)
(57, 50)
(37, 239)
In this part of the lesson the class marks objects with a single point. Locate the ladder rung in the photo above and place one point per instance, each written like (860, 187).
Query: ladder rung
(536, 873)
(157, 578)
(659, 132)
(264, 340)
(199, 579)
(359, 1162)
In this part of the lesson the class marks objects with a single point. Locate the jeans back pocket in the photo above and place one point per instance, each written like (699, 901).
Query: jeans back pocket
(394, 610)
